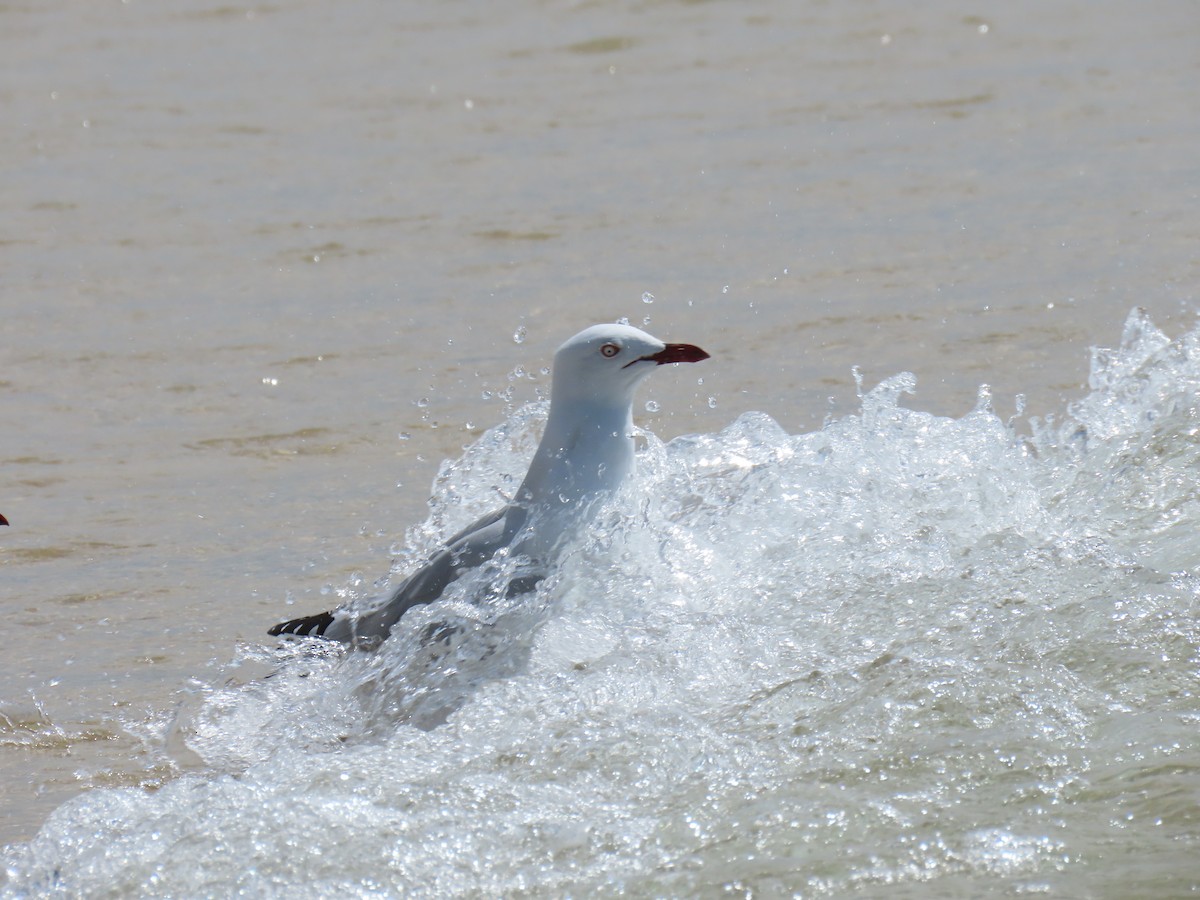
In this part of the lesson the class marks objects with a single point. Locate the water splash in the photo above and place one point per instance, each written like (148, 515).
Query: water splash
(901, 650)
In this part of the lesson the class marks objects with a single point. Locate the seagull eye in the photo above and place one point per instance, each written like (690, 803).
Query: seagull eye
(610, 350)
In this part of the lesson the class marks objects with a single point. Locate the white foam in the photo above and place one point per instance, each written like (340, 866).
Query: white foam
(900, 649)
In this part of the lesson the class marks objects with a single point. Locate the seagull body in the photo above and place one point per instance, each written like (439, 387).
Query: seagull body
(585, 453)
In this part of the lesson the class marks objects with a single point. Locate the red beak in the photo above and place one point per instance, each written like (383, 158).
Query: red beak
(673, 353)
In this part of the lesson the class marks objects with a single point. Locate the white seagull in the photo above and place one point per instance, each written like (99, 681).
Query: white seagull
(585, 454)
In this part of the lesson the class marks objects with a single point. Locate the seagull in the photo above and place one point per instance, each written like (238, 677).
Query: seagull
(586, 452)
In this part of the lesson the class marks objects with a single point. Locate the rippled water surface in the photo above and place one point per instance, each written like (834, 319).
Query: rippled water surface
(901, 649)
(264, 267)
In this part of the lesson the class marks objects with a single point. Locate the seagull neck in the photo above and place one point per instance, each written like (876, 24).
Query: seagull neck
(587, 448)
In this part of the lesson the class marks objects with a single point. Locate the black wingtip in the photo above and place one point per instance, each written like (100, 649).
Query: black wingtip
(308, 626)
(3, 521)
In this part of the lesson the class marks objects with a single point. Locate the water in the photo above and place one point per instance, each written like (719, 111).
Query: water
(901, 650)
(265, 267)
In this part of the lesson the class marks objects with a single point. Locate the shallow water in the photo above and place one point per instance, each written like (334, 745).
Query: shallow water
(898, 650)
(265, 267)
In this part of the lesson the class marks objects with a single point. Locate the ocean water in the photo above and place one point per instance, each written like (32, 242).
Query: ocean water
(264, 266)
(900, 654)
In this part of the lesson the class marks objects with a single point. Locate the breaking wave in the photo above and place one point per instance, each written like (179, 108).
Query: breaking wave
(900, 650)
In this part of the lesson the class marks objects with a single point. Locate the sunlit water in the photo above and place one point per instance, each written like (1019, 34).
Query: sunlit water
(900, 650)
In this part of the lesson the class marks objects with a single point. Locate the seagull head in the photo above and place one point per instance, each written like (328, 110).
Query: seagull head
(605, 363)
(587, 447)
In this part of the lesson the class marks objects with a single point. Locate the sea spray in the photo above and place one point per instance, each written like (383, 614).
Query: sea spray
(903, 649)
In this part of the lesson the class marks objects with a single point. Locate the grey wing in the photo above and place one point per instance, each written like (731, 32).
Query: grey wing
(472, 546)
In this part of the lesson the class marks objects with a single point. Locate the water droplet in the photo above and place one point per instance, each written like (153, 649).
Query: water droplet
(725, 290)
(712, 402)
(519, 335)
(652, 406)
(403, 436)
(423, 402)
(486, 395)
(316, 257)
(624, 320)
(645, 321)
(271, 381)
(647, 297)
